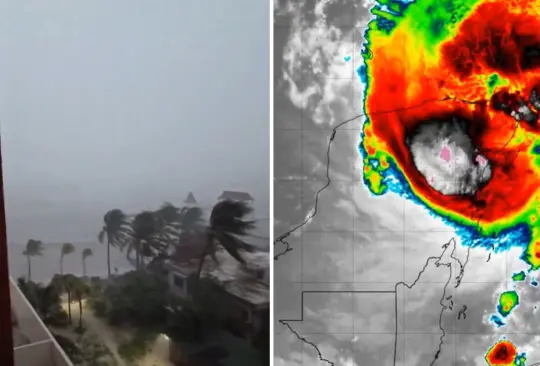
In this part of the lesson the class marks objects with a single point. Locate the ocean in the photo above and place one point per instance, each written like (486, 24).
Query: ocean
(46, 266)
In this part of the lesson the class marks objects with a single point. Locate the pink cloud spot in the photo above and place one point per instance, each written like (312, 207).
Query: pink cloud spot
(445, 154)
(480, 160)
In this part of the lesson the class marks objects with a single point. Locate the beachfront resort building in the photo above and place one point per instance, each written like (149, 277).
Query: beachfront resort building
(33, 343)
(245, 287)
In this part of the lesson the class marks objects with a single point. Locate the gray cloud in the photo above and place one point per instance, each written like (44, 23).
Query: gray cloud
(109, 105)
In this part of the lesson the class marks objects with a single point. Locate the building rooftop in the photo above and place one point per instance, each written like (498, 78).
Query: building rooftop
(235, 278)
(235, 196)
(190, 199)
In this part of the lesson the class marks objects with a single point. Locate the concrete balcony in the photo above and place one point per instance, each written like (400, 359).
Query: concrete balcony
(33, 344)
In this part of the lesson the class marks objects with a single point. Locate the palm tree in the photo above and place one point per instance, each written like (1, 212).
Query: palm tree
(34, 248)
(227, 224)
(191, 219)
(115, 229)
(67, 249)
(168, 214)
(172, 223)
(144, 230)
(80, 290)
(45, 299)
(48, 302)
(87, 252)
(167, 224)
(69, 283)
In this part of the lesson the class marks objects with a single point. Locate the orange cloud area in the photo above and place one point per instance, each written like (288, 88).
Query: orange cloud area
(502, 353)
(479, 62)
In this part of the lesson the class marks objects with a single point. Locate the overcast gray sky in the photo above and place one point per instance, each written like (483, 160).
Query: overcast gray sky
(126, 104)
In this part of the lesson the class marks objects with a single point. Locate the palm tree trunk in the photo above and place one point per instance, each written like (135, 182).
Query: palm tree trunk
(80, 313)
(137, 258)
(209, 240)
(29, 268)
(61, 265)
(84, 267)
(69, 306)
(201, 262)
(108, 258)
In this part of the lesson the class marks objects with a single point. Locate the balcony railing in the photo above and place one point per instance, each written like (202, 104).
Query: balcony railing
(34, 343)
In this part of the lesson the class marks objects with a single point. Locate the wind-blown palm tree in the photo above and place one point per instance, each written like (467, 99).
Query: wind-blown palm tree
(227, 225)
(69, 283)
(144, 230)
(167, 225)
(172, 223)
(79, 290)
(67, 249)
(115, 230)
(34, 248)
(190, 220)
(87, 252)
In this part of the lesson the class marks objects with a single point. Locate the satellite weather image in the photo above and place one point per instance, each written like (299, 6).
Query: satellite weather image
(406, 182)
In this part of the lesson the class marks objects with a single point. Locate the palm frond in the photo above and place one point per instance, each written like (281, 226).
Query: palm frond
(116, 226)
(212, 254)
(130, 248)
(67, 248)
(101, 236)
(34, 248)
(230, 216)
(190, 218)
(231, 244)
(167, 213)
(121, 239)
(144, 225)
(87, 252)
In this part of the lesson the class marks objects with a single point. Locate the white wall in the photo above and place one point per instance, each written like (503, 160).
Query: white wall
(43, 353)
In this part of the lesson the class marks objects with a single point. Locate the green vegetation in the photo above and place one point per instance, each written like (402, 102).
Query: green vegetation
(152, 235)
(140, 301)
(86, 350)
(137, 347)
(75, 288)
(94, 352)
(46, 301)
(193, 320)
(80, 291)
(136, 299)
(144, 230)
(115, 230)
(72, 350)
